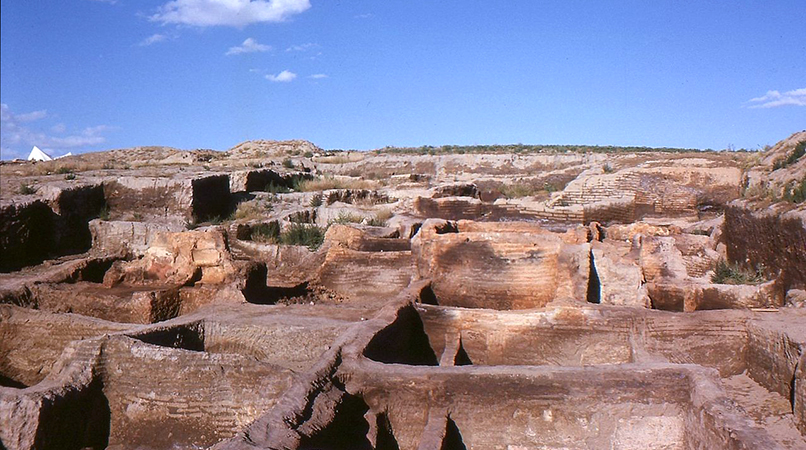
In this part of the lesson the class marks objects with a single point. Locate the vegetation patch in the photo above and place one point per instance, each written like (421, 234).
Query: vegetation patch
(26, 189)
(795, 192)
(348, 217)
(273, 188)
(268, 233)
(522, 148)
(727, 273)
(380, 219)
(310, 236)
(327, 183)
(521, 189)
(251, 211)
(792, 158)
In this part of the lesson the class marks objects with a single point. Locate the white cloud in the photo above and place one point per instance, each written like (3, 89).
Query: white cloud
(235, 13)
(774, 99)
(31, 116)
(17, 135)
(249, 46)
(301, 48)
(318, 76)
(282, 77)
(153, 39)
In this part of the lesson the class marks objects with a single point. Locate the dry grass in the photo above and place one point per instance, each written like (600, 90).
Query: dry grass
(341, 158)
(49, 168)
(381, 218)
(323, 184)
(348, 217)
(251, 210)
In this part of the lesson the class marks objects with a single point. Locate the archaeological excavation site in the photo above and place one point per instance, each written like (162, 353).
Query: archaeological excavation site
(281, 296)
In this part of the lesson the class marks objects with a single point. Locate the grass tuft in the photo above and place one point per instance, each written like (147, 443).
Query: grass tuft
(727, 273)
(268, 233)
(323, 184)
(26, 189)
(348, 217)
(310, 236)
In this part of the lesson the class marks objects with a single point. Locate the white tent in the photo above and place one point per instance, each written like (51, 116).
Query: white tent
(66, 154)
(38, 155)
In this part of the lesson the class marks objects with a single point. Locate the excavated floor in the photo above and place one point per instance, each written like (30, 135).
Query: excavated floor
(432, 310)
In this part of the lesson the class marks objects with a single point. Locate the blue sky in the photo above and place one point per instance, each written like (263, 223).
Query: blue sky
(86, 75)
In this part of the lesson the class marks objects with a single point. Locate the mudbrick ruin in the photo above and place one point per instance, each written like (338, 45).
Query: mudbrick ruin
(279, 296)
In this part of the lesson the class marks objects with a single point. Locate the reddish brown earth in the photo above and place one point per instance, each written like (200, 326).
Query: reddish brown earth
(145, 302)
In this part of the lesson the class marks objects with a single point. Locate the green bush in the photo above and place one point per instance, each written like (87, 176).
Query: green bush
(272, 188)
(791, 158)
(727, 273)
(27, 189)
(345, 217)
(103, 214)
(70, 176)
(316, 200)
(310, 236)
(288, 164)
(266, 232)
(796, 192)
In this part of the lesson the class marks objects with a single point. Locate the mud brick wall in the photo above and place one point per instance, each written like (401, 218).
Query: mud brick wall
(769, 238)
(799, 397)
(613, 409)
(619, 210)
(149, 195)
(713, 339)
(570, 338)
(450, 208)
(259, 180)
(360, 274)
(211, 197)
(295, 343)
(773, 357)
(31, 341)
(26, 234)
(501, 270)
(165, 397)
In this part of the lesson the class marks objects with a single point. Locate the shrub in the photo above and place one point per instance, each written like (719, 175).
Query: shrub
(266, 232)
(518, 190)
(308, 154)
(607, 168)
(323, 184)
(795, 192)
(64, 169)
(103, 214)
(791, 158)
(310, 236)
(345, 217)
(727, 273)
(288, 164)
(316, 200)
(249, 211)
(272, 188)
(70, 176)
(381, 218)
(27, 189)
